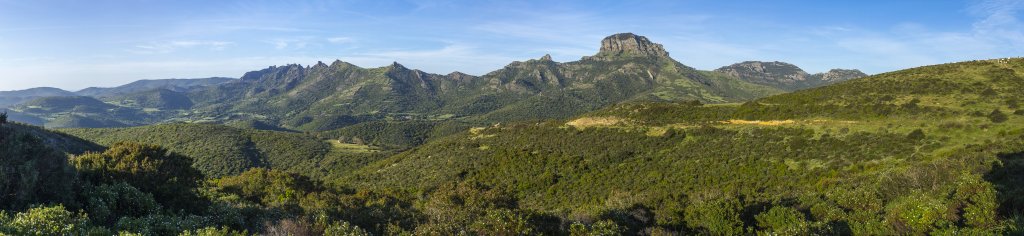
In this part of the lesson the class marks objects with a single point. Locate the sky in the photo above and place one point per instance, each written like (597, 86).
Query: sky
(75, 44)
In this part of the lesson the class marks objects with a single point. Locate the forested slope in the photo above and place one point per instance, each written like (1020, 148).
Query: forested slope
(919, 151)
(221, 150)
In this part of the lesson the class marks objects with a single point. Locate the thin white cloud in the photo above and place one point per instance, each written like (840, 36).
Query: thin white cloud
(292, 43)
(172, 46)
(340, 40)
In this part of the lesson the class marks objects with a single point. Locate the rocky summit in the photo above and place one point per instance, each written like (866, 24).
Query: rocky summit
(629, 44)
(786, 76)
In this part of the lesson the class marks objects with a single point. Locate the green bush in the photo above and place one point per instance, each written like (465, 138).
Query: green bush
(53, 220)
(600, 228)
(344, 229)
(31, 172)
(213, 231)
(502, 222)
(107, 202)
(149, 168)
(716, 217)
(997, 116)
(780, 220)
(918, 213)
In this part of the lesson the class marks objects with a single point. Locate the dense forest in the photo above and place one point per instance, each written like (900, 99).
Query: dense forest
(923, 151)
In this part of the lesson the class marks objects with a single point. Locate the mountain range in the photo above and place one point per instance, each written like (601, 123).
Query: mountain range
(624, 142)
(324, 96)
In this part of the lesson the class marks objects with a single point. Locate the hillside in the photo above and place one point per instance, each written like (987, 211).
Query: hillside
(326, 97)
(223, 150)
(177, 85)
(78, 111)
(9, 98)
(929, 150)
(158, 99)
(919, 151)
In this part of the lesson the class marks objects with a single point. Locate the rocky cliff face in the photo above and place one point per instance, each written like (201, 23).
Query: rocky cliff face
(836, 75)
(766, 72)
(786, 76)
(628, 44)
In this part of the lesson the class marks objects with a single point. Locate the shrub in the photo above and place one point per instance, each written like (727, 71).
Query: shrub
(31, 172)
(108, 201)
(917, 134)
(54, 220)
(997, 116)
(780, 220)
(918, 213)
(717, 217)
(344, 229)
(502, 222)
(153, 169)
(213, 231)
(600, 228)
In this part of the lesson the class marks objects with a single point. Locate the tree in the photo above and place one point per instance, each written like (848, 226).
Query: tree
(149, 168)
(31, 172)
(3, 118)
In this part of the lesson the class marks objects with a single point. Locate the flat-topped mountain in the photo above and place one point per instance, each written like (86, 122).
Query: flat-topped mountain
(630, 44)
(786, 76)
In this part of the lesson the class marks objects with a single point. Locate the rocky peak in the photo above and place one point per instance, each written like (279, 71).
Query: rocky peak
(320, 64)
(841, 75)
(546, 57)
(630, 44)
(759, 71)
(397, 66)
(786, 76)
(341, 64)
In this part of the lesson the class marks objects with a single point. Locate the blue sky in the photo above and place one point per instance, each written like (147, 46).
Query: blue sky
(77, 44)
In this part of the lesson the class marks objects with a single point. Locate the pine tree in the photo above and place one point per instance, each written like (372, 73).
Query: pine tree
(3, 118)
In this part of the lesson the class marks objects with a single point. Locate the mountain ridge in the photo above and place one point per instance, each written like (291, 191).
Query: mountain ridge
(785, 75)
(325, 96)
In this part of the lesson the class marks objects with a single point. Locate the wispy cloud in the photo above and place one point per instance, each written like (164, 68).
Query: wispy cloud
(292, 43)
(340, 40)
(996, 32)
(999, 20)
(172, 46)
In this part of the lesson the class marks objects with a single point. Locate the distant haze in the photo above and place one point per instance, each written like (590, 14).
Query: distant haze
(78, 44)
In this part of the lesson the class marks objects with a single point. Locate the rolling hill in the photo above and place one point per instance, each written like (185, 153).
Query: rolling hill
(919, 151)
(177, 85)
(221, 150)
(10, 98)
